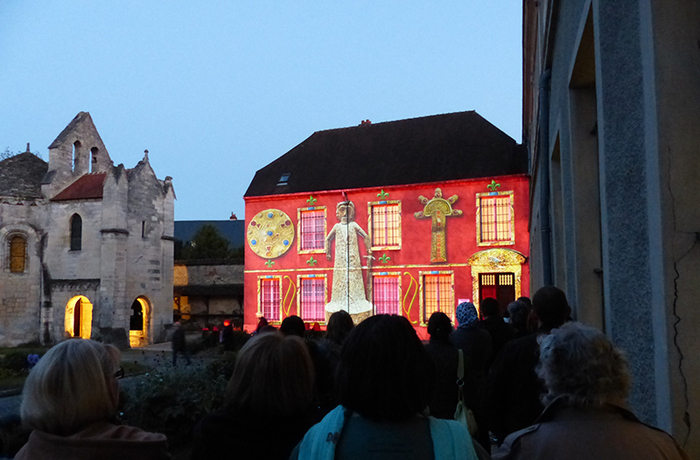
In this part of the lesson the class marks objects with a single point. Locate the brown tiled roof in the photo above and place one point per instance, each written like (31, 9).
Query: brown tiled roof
(21, 175)
(87, 186)
(452, 146)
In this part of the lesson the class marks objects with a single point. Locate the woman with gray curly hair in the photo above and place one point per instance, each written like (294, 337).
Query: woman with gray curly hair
(587, 382)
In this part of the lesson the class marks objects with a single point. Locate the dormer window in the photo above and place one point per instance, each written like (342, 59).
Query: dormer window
(284, 178)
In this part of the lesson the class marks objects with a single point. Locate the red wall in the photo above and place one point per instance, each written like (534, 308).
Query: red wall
(414, 255)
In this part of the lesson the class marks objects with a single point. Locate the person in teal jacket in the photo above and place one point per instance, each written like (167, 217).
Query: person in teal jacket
(384, 378)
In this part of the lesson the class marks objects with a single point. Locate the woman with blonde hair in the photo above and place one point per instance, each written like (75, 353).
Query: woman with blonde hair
(269, 402)
(69, 398)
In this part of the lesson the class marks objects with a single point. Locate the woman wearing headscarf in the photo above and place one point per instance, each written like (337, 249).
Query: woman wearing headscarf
(476, 344)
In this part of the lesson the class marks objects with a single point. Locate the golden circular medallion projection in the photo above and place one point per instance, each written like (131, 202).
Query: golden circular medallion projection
(270, 233)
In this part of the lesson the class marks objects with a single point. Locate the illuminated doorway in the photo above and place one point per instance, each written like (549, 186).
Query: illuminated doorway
(502, 275)
(79, 317)
(500, 286)
(139, 322)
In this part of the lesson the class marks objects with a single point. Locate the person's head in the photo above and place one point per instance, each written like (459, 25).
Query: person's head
(526, 300)
(72, 386)
(267, 329)
(177, 324)
(273, 375)
(518, 311)
(262, 322)
(339, 326)
(466, 314)
(580, 365)
(345, 211)
(385, 374)
(293, 325)
(490, 307)
(551, 307)
(439, 326)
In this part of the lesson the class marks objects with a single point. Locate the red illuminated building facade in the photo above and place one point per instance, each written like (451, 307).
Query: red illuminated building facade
(406, 217)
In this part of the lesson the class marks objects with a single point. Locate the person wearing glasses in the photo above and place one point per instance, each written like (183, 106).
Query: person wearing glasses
(70, 399)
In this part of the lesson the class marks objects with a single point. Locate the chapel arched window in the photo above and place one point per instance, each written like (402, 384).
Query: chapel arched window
(76, 233)
(17, 254)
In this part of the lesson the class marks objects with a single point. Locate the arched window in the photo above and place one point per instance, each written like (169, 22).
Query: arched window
(76, 233)
(76, 154)
(136, 320)
(17, 253)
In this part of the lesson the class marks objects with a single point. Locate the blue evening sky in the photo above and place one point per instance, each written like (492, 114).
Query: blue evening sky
(215, 90)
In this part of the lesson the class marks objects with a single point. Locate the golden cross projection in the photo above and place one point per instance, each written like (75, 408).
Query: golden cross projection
(439, 209)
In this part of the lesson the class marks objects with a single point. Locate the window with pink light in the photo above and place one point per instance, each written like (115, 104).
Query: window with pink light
(270, 298)
(438, 295)
(312, 299)
(312, 230)
(386, 295)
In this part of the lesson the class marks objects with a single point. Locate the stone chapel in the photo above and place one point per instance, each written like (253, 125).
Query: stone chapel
(86, 247)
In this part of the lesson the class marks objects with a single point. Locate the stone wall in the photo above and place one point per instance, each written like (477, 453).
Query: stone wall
(126, 247)
(20, 299)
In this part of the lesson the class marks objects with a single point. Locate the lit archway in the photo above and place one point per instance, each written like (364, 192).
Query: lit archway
(139, 322)
(79, 317)
(496, 261)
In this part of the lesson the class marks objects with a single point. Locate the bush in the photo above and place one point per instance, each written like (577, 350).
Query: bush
(172, 400)
(222, 366)
(14, 361)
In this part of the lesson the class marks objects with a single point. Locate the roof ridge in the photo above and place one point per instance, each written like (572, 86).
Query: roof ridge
(369, 125)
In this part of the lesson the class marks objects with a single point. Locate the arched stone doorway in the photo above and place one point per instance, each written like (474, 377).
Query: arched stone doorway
(79, 317)
(139, 322)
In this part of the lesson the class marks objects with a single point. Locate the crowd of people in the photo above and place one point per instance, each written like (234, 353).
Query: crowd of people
(539, 386)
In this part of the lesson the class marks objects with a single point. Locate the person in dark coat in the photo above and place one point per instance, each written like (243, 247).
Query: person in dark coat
(476, 344)
(294, 326)
(445, 355)
(443, 399)
(227, 336)
(269, 403)
(328, 358)
(501, 332)
(179, 344)
(519, 312)
(514, 389)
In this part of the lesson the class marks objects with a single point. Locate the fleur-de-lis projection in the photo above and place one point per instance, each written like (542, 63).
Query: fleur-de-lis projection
(270, 263)
(311, 262)
(311, 200)
(384, 258)
(382, 194)
(493, 186)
